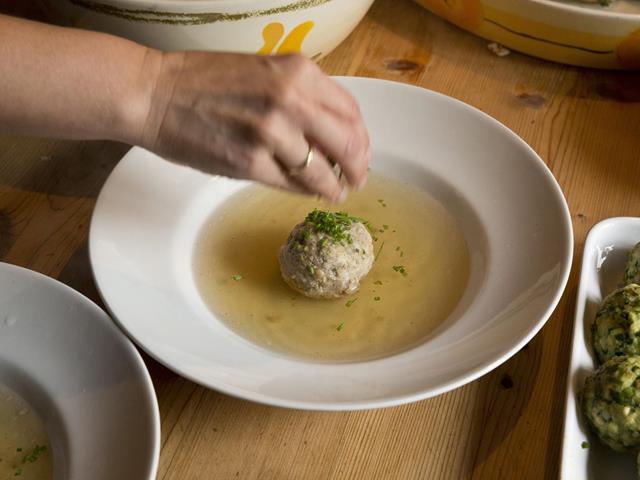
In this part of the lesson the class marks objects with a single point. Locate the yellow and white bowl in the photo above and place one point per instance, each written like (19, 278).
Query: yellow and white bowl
(563, 31)
(313, 27)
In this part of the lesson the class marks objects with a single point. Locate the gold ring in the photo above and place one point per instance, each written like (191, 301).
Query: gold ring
(295, 171)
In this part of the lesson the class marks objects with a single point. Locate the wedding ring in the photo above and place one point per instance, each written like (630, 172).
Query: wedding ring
(295, 171)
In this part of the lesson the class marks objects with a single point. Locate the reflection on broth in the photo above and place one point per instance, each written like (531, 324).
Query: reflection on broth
(418, 277)
(24, 446)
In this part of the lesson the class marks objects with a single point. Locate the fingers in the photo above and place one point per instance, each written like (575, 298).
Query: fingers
(344, 142)
(264, 169)
(330, 117)
(318, 177)
(291, 148)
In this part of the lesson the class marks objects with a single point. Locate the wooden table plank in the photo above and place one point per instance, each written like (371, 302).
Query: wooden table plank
(585, 124)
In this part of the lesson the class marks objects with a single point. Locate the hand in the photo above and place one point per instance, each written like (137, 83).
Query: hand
(255, 117)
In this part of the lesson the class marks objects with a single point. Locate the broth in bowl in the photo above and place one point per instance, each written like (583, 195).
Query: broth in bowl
(24, 445)
(418, 276)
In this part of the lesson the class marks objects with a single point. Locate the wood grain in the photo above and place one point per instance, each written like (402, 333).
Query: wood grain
(585, 124)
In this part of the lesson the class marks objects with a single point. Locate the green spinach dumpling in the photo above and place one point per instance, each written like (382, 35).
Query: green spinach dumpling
(616, 329)
(611, 403)
(632, 272)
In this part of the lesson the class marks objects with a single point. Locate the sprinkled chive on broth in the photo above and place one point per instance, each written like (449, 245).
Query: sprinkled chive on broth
(389, 311)
(24, 446)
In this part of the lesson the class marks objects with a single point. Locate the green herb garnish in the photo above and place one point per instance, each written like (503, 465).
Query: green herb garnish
(377, 299)
(377, 282)
(35, 454)
(584, 444)
(18, 472)
(237, 278)
(340, 327)
(18, 449)
(400, 269)
(381, 202)
(351, 302)
(311, 270)
(336, 225)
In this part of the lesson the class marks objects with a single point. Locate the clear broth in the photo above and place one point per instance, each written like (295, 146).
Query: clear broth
(22, 436)
(391, 312)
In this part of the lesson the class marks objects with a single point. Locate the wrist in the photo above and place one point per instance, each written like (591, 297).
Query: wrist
(135, 104)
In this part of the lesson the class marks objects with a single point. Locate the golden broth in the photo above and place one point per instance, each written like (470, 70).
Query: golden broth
(22, 438)
(391, 311)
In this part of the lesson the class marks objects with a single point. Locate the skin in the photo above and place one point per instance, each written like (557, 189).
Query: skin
(243, 116)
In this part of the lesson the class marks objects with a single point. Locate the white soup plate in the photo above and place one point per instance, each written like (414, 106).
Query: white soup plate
(84, 378)
(507, 203)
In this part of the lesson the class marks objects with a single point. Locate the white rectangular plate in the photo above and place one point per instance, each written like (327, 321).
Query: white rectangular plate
(603, 263)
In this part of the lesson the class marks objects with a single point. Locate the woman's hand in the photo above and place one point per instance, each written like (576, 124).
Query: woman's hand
(254, 117)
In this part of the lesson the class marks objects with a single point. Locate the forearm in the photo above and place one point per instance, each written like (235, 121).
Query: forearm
(68, 83)
(243, 116)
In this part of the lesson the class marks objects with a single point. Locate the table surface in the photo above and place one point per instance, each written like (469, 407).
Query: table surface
(585, 124)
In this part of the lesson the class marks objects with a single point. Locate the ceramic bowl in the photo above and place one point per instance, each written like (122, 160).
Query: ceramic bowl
(87, 382)
(313, 27)
(570, 32)
(507, 203)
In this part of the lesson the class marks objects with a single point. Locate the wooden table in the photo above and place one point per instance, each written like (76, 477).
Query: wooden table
(508, 425)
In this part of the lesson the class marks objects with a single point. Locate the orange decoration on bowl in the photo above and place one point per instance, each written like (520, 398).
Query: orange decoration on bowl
(292, 43)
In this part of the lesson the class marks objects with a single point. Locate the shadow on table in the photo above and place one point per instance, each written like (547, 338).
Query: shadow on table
(77, 274)
(54, 167)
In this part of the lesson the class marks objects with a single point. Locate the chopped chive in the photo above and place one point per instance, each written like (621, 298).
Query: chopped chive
(340, 327)
(584, 444)
(400, 269)
(18, 449)
(35, 454)
(311, 270)
(237, 278)
(377, 282)
(335, 225)
(366, 223)
(385, 227)
(351, 302)
(377, 299)
(397, 248)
